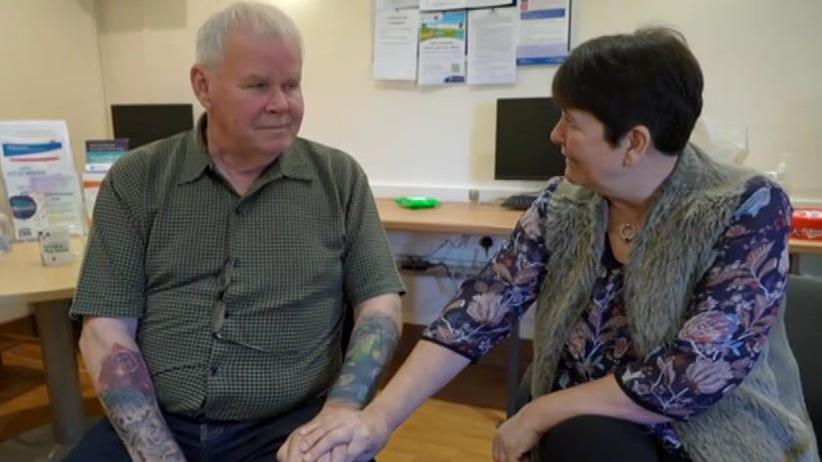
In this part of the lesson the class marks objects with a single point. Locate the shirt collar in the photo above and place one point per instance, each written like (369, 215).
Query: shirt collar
(197, 159)
(292, 163)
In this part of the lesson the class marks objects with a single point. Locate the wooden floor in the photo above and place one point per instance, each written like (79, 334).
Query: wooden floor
(440, 431)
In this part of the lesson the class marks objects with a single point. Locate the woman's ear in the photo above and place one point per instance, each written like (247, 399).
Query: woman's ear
(199, 84)
(637, 144)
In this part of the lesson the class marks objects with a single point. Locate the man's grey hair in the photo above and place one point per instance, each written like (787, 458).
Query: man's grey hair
(260, 18)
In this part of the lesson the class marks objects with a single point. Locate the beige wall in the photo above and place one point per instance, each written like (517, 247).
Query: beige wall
(51, 67)
(50, 70)
(761, 58)
(147, 48)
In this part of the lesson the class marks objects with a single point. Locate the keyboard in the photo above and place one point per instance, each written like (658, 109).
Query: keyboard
(519, 201)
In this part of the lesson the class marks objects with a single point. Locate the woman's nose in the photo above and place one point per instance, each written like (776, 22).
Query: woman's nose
(557, 133)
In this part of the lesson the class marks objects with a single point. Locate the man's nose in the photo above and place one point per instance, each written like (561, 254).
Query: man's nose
(277, 101)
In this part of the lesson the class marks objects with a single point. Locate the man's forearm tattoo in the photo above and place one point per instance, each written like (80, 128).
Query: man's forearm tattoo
(127, 394)
(369, 353)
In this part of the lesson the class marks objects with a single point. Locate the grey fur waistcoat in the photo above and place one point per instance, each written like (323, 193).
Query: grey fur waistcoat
(762, 420)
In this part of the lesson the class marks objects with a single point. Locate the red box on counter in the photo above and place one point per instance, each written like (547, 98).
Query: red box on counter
(807, 224)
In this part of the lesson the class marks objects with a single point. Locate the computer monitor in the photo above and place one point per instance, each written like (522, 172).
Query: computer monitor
(524, 150)
(144, 123)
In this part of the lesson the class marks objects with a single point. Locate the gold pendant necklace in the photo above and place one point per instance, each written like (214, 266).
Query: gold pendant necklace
(627, 232)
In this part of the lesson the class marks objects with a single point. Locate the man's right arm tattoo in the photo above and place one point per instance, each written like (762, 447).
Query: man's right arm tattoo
(128, 396)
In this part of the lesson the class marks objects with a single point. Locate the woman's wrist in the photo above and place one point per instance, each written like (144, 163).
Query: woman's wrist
(534, 414)
(547, 411)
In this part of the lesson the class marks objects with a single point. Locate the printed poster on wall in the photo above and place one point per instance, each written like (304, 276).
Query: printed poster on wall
(442, 48)
(41, 180)
(544, 33)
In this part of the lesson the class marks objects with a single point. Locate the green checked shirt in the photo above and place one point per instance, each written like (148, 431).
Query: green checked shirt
(240, 300)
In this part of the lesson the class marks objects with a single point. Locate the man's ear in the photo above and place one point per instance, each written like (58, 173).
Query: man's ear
(637, 144)
(200, 85)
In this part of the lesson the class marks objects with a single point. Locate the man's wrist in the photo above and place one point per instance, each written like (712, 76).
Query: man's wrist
(342, 403)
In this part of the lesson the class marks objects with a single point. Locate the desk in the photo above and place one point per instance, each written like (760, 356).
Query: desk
(24, 280)
(450, 217)
(799, 246)
(479, 219)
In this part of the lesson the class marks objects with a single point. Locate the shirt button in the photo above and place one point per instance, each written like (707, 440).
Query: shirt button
(236, 262)
(213, 371)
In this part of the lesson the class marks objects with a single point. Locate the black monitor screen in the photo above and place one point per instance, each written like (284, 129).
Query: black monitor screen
(144, 123)
(524, 150)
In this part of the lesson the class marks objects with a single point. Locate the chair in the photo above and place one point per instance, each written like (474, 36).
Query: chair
(803, 322)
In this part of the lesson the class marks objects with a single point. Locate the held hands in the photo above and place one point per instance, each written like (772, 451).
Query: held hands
(514, 438)
(339, 433)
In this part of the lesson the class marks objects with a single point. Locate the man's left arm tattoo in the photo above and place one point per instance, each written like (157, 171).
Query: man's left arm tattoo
(372, 345)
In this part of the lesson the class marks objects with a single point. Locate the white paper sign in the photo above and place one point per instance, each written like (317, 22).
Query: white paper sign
(41, 180)
(396, 36)
(439, 5)
(395, 4)
(492, 54)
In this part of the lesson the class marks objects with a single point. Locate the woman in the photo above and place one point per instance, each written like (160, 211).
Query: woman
(657, 275)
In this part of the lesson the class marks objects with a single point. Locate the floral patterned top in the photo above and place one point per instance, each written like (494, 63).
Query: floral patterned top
(727, 323)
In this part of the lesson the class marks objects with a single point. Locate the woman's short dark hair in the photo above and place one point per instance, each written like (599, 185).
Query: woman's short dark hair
(647, 78)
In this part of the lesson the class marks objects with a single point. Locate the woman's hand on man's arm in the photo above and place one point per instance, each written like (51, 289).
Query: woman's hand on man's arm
(428, 368)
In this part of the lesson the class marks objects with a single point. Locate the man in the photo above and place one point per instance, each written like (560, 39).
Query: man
(220, 265)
